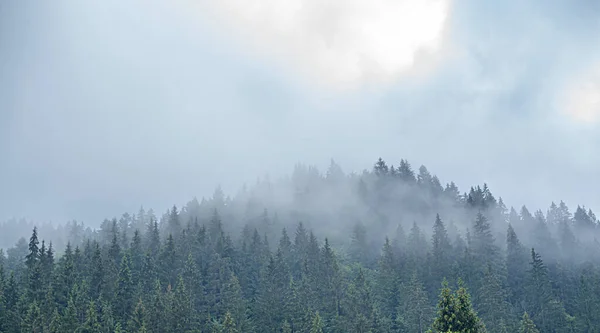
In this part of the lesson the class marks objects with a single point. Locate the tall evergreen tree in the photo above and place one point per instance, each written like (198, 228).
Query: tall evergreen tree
(492, 303)
(441, 251)
(317, 324)
(417, 312)
(455, 313)
(137, 321)
(125, 291)
(387, 281)
(516, 266)
(527, 325)
(92, 323)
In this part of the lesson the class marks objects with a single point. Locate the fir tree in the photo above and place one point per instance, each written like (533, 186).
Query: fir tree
(317, 324)
(527, 325)
(416, 312)
(137, 321)
(455, 313)
(91, 324)
(125, 291)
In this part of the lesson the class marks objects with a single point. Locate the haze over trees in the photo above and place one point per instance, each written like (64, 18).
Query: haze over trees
(388, 250)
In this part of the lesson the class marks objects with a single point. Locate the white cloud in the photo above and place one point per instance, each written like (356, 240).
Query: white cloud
(582, 99)
(340, 43)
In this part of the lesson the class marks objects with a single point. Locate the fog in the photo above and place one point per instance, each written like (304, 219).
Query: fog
(108, 106)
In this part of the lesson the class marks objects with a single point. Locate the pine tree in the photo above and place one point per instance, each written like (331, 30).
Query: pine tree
(416, 312)
(32, 257)
(55, 325)
(137, 321)
(157, 309)
(153, 237)
(148, 279)
(588, 302)
(492, 303)
(235, 305)
(455, 313)
(285, 327)
(182, 316)
(192, 278)
(168, 262)
(441, 251)
(358, 250)
(516, 266)
(483, 242)
(229, 325)
(331, 288)
(125, 291)
(136, 254)
(285, 246)
(33, 321)
(274, 294)
(47, 265)
(219, 274)
(174, 225)
(527, 325)
(359, 305)
(69, 319)
(65, 277)
(317, 324)
(91, 324)
(97, 279)
(547, 312)
(107, 320)
(387, 280)
(34, 269)
(215, 228)
(417, 247)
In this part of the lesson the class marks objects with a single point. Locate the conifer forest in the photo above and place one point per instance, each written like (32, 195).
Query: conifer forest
(390, 249)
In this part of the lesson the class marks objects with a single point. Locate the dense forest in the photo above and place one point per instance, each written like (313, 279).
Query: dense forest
(388, 250)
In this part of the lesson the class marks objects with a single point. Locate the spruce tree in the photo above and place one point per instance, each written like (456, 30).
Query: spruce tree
(91, 324)
(387, 280)
(125, 290)
(516, 266)
(33, 320)
(492, 303)
(441, 251)
(182, 315)
(416, 312)
(235, 304)
(359, 304)
(317, 324)
(137, 321)
(455, 312)
(229, 325)
(527, 325)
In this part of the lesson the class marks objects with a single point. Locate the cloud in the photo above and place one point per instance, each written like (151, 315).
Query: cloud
(341, 43)
(109, 105)
(581, 99)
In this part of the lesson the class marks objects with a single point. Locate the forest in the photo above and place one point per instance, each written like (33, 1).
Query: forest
(389, 249)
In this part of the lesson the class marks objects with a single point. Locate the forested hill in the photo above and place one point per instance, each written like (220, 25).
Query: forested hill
(313, 253)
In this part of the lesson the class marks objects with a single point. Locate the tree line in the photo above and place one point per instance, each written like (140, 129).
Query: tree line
(473, 267)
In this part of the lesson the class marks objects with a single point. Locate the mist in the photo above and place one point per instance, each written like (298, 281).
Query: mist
(296, 166)
(107, 107)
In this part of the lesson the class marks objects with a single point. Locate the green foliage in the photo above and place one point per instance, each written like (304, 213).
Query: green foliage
(317, 324)
(455, 312)
(527, 325)
(209, 266)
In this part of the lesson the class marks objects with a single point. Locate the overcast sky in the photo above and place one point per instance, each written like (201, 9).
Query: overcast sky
(109, 105)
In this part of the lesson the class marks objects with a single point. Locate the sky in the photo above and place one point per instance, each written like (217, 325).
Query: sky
(109, 105)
